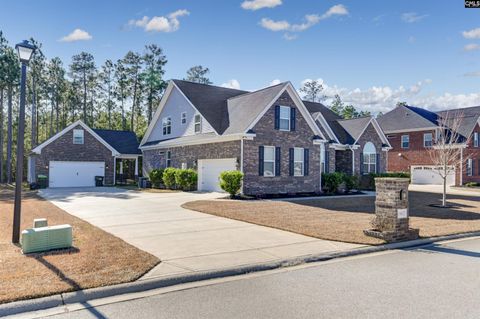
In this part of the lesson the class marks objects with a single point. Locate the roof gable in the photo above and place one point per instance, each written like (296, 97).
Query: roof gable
(405, 118)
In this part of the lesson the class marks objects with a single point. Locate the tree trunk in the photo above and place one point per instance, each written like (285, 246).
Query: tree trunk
(150, 106)
(1, 135)
(9, 133)
(57, 123)
(85, 98)
(444, 197)
(34, 114)
(134, 102)
(52, 107)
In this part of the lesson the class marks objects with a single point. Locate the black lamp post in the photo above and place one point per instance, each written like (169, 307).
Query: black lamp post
(25, 50)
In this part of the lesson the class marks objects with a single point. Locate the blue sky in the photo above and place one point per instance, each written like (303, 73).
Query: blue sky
(373, 53)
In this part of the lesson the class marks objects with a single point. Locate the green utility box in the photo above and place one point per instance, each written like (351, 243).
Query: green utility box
(46, 238)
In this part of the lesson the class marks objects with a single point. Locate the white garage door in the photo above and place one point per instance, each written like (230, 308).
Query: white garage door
(209, 171)
(74, 174)
(430, 176)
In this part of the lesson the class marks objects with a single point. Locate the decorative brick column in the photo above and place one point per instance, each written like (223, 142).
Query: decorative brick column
(391, 222)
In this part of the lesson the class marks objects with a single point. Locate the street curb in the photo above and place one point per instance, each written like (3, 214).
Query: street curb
(84, 296)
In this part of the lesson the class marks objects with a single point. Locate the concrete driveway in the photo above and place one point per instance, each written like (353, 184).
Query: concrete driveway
(185, 241)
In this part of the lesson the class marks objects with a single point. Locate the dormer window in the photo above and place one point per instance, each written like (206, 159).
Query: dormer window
(198, 123)
(167, 125)
(284, 118)
(78, 137)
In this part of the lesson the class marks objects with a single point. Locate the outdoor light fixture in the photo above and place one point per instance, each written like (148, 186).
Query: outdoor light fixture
(25, 50)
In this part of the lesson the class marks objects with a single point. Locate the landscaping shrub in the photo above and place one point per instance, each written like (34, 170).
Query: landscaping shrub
(186, 179)
(368, 181)
(169, 177)
(156, 177)
(472, 184)
(332, 181)
(231, 182)
(351, 182)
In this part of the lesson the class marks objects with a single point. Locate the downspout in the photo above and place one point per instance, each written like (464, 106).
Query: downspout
(241, 159)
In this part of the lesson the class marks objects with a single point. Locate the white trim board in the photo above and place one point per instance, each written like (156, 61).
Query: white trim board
(377, 128)
(38, 149)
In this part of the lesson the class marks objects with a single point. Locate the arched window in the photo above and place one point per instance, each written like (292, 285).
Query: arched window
(369, 158)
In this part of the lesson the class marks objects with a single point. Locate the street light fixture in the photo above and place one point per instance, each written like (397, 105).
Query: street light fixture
(25, 51)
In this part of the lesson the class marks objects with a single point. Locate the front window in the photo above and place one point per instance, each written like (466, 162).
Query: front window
(469, 167)
(78, 137)
(476, 142)
(184, 118)
(427, 140)
(269, 161)
(298, 161)
(322, 157)
(369, 158)
(284, 118)
(405, 141)
(198, 123)
(168, 159)
(167, 125)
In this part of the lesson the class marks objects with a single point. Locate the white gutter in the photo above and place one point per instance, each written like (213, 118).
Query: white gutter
(198, 141)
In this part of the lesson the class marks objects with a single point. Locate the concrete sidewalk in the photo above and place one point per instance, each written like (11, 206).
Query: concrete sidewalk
(185, 241)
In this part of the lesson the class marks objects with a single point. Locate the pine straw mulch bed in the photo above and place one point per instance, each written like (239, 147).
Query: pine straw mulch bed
(344, 219)
(97, 259)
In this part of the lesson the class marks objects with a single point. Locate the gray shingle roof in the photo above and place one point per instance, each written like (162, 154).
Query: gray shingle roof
(469, 115)
(332, 120)
(125, 142)
(243, 109)
(210, 101)
(406, 118)
(355, 127)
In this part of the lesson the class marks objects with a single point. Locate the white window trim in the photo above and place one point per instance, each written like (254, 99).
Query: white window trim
(183, 117)
(83, 136)
(424, 140)
(199, 124)
(408, 141)
(269, 161)
(469, 167)
(302, 150)
(476, 142)
(166, 122)
(168, 159)
(289, 118)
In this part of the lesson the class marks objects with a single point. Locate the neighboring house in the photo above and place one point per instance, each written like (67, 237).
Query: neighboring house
(74, 156)
(412, 131)
(281, 143)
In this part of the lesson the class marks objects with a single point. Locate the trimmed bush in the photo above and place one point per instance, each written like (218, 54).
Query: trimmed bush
(368, 181)
(472, 184)
(169, 177)
(332, 181)
(231, 182)
(156, 177)
(186, 179)
(351, 182)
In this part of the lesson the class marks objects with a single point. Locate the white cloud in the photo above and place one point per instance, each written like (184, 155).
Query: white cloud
(472, 34)
(411, 17)
(310, 21)
(471, 47)
(275, 82)
(383, 98)
(170, 23)
(232, 84)
(260, 4)
(477, 73)
(77, 35)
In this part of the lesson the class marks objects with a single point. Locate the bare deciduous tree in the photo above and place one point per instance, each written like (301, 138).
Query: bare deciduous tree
(446, 151)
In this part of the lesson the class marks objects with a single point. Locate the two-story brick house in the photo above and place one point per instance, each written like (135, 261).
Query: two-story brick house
(281, 143)
(412, 131)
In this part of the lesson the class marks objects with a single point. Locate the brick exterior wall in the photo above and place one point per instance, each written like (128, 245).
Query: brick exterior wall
(473, 153)
(370, 135)
(154, 159)
(63, 149)
(268, 136)
(343, 161)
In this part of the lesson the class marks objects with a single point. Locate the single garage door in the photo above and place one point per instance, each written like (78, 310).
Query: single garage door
(74, 174)
(429, 175)
(209, 172)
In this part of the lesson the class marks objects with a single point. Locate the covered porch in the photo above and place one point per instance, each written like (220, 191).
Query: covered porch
(126, 168)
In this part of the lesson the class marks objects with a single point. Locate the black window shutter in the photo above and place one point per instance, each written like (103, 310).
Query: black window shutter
(327, 159)
(306, 161)
(277, 117)
(277, 161)
(291, 153)
(361, 163)
(260, 160)
(473, 167)
(292, 118)
(377, 167)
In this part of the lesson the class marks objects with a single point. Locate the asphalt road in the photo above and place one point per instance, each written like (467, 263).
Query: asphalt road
(437, 281)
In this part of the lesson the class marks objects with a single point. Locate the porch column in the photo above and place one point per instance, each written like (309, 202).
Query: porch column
(136, 167)
(121, 166)
(353, 162)
(114, 170)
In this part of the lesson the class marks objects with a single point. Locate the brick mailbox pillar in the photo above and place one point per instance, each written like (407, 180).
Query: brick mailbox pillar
(391, 222)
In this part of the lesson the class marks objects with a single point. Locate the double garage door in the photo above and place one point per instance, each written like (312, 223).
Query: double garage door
(74, 174)
(209, 172)
(429, 175)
